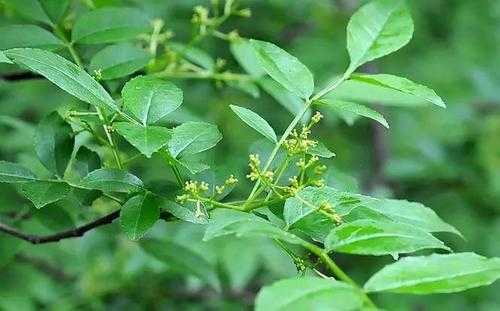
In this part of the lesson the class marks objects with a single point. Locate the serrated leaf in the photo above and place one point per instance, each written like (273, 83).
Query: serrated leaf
(147, 139)
(150, 99)
(435, 274)
(368, 237)
(402, 85)
(31, 9)
(339, 105)
(284, 68)
(377, 29)
(186, 212)
(108, 25)
(182, 259)
(255, 121)
(241, 224)
(120, 60)
(28, 36)
(54, 143)
(308, 293)
(193, 54)
(15, 173)
(64, 74)
(111, 180)
(42, 193)
(138, 215)
(193, 137)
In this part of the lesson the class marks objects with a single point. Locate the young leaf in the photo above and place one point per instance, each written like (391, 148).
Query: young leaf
(193, 137)
(150, 99)
(15, 173)
(358, 109)
(120, 60)
(183, 259)
(225, 222)
(284, 68)
(147, 139)
(308, 293)
(255, 121)
(54, 143)
(111, 180)
(42, 193)
(193, 54)
(108, 25)
(138, 215)
(64, 74)
(31, 9)
(368, 237)
(28, 36)
(321, 151)
(435, 274)
(402, 85)
(377, 29)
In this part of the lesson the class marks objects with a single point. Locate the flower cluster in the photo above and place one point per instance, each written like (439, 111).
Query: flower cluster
(230, 181)
(299, 143)
(256, 173)
(193, 190)
(327, 209)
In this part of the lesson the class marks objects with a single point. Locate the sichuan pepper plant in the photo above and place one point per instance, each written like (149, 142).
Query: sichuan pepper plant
(127, 88)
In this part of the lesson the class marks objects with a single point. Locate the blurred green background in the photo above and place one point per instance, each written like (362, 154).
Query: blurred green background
(447, 159)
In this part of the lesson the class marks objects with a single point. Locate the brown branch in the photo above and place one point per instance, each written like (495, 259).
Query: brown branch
(68, 234)
(72, 233)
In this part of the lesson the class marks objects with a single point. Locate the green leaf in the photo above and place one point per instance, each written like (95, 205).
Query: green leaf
(284, 68)
(150, 99)
(85, 161)
(402, 85)
(226, 222)
(368, 237)
(55, 9)
(183, 259)
(244, 53)
(377, 29)
(186, 213)
(4, 59)
(193, 54)
(42, 193)
(193, 137)
(15, 173)
(255, 121)
(138, 215)
(111, 180)
(120, 60)
(289, 101)
(339, 105)
(54, 143)
(321, 151)
(308, 293)
(108, 25)
(147, 139)
(31, 9)
(64, 74)
(435, 274)
(27, 36)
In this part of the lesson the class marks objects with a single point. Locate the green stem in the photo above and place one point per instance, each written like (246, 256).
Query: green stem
(177, 174)
(331, 87)
(204, 75)
(111, 142)
(289, 130)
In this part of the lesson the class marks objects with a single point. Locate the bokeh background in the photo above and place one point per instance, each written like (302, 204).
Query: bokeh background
(448, 159)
